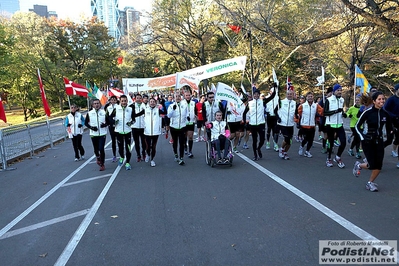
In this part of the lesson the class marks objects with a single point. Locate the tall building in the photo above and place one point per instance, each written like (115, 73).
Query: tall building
(129, 21)
(40, 10)
(107, 12)
(9, 7)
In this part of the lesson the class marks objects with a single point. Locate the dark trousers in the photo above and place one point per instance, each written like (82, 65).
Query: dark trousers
(255, 130)
(356, 140)
(340, 132)
(271, 128)
(99, 147)
(124, 141)
(308, 137)
(179, 137)
(139, 138)
(151, 145)
(77, 146)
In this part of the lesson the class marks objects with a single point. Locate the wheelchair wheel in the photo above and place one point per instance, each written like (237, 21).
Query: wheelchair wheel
(207, 151)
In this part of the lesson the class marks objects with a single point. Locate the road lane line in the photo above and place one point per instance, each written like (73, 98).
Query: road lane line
(85, 180)
(44, 224)
(77, 236)
(359, 232)
(44, 197)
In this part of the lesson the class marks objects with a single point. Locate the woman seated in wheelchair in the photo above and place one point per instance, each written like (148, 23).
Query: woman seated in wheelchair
(220, 137)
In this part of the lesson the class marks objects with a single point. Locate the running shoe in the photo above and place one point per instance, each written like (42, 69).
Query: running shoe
(171, 141)
(98, 160)
(286, 157)
(185, 150)
(197, 140)
(351, 153)
(82, 157)
(235, 150)
(147, 159)
(358, 156)
(336, 143)
(275, 146)
(320, 137)
(102, 167)
(190, 155)
(181, 161)
(138, 159)
(220, 161)
(76, 159)
(267, 145)
(176, 158)
(356, 169)
(394, 154)
(245, 146)
(128, 167)
(226, 160)
(372, 186)
(324, 150)
(349, 139)
(280, 153)
(166, 135)
(329, 163)
(120, 161)
(153, 163)
(300, 151)
(339, 162)
(308, 154)
(114, 159)
(239, 142)
(255, 158)
(260, 153)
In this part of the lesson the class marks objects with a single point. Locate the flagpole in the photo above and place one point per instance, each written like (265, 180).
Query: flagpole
(354, 88)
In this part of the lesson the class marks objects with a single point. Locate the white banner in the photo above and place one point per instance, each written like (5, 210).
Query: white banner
(225, 92)
(198, 73)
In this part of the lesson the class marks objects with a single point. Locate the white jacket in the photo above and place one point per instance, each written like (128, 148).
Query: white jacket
(308, 117)
(178, 117)
(139, 119)
(334, 104)
(96, 118)
(190, 109)
(287, 113)
(75, 121)
(152, 121)
(211, 109)
(256, 112)
(123, 115)
(217, 129)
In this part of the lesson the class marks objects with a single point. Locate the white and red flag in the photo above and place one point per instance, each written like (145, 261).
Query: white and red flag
(115, 92)
(43, 94)
(72, 88)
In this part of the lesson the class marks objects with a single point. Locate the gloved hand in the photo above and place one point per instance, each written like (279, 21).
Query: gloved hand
(116, 122)
(188, 118)
(129, 123)
(80, 125)
(209, 125)
(174, 107)
(103, 125)
(278, 120)
(339, 110)
(69, 125)
(344, 115)
(94, 128)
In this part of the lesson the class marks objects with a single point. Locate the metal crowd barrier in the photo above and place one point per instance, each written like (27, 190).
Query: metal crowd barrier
(24, 139)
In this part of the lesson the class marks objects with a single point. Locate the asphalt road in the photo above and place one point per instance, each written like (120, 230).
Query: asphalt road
(269, 212)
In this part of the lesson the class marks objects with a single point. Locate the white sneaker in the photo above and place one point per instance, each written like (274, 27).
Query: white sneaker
(267, 145)
(147, 159)
(308, 154)
(300, 151)
(275, 146)
(372, 186)
(394, 154)
(152, 163)
(280, 153)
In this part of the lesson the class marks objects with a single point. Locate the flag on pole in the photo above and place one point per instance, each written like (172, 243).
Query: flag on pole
(99, 95)
(2, 112)
(115, 92)
(290, 87)
(361, 81)
(91, 94)
(320, 79)
(275, 77)
(72, 88)
(236, 29)
(43, 94)
(243, 89)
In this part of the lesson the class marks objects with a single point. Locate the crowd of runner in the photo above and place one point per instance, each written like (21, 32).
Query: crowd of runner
(263, 117)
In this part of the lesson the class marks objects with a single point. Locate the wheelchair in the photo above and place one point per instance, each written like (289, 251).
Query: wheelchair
(211, 154)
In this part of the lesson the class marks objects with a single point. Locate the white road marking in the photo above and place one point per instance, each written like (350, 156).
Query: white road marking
(44, 224)
(359, 232)
(85, 180)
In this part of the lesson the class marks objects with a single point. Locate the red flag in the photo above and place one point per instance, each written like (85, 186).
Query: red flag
(120, 60)
(72, 88)
(115, 92)
(43, 94)
(234, 28)
(290, 87)
(2, 113)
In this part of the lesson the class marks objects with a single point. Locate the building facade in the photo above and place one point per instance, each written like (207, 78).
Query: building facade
(107, 11)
